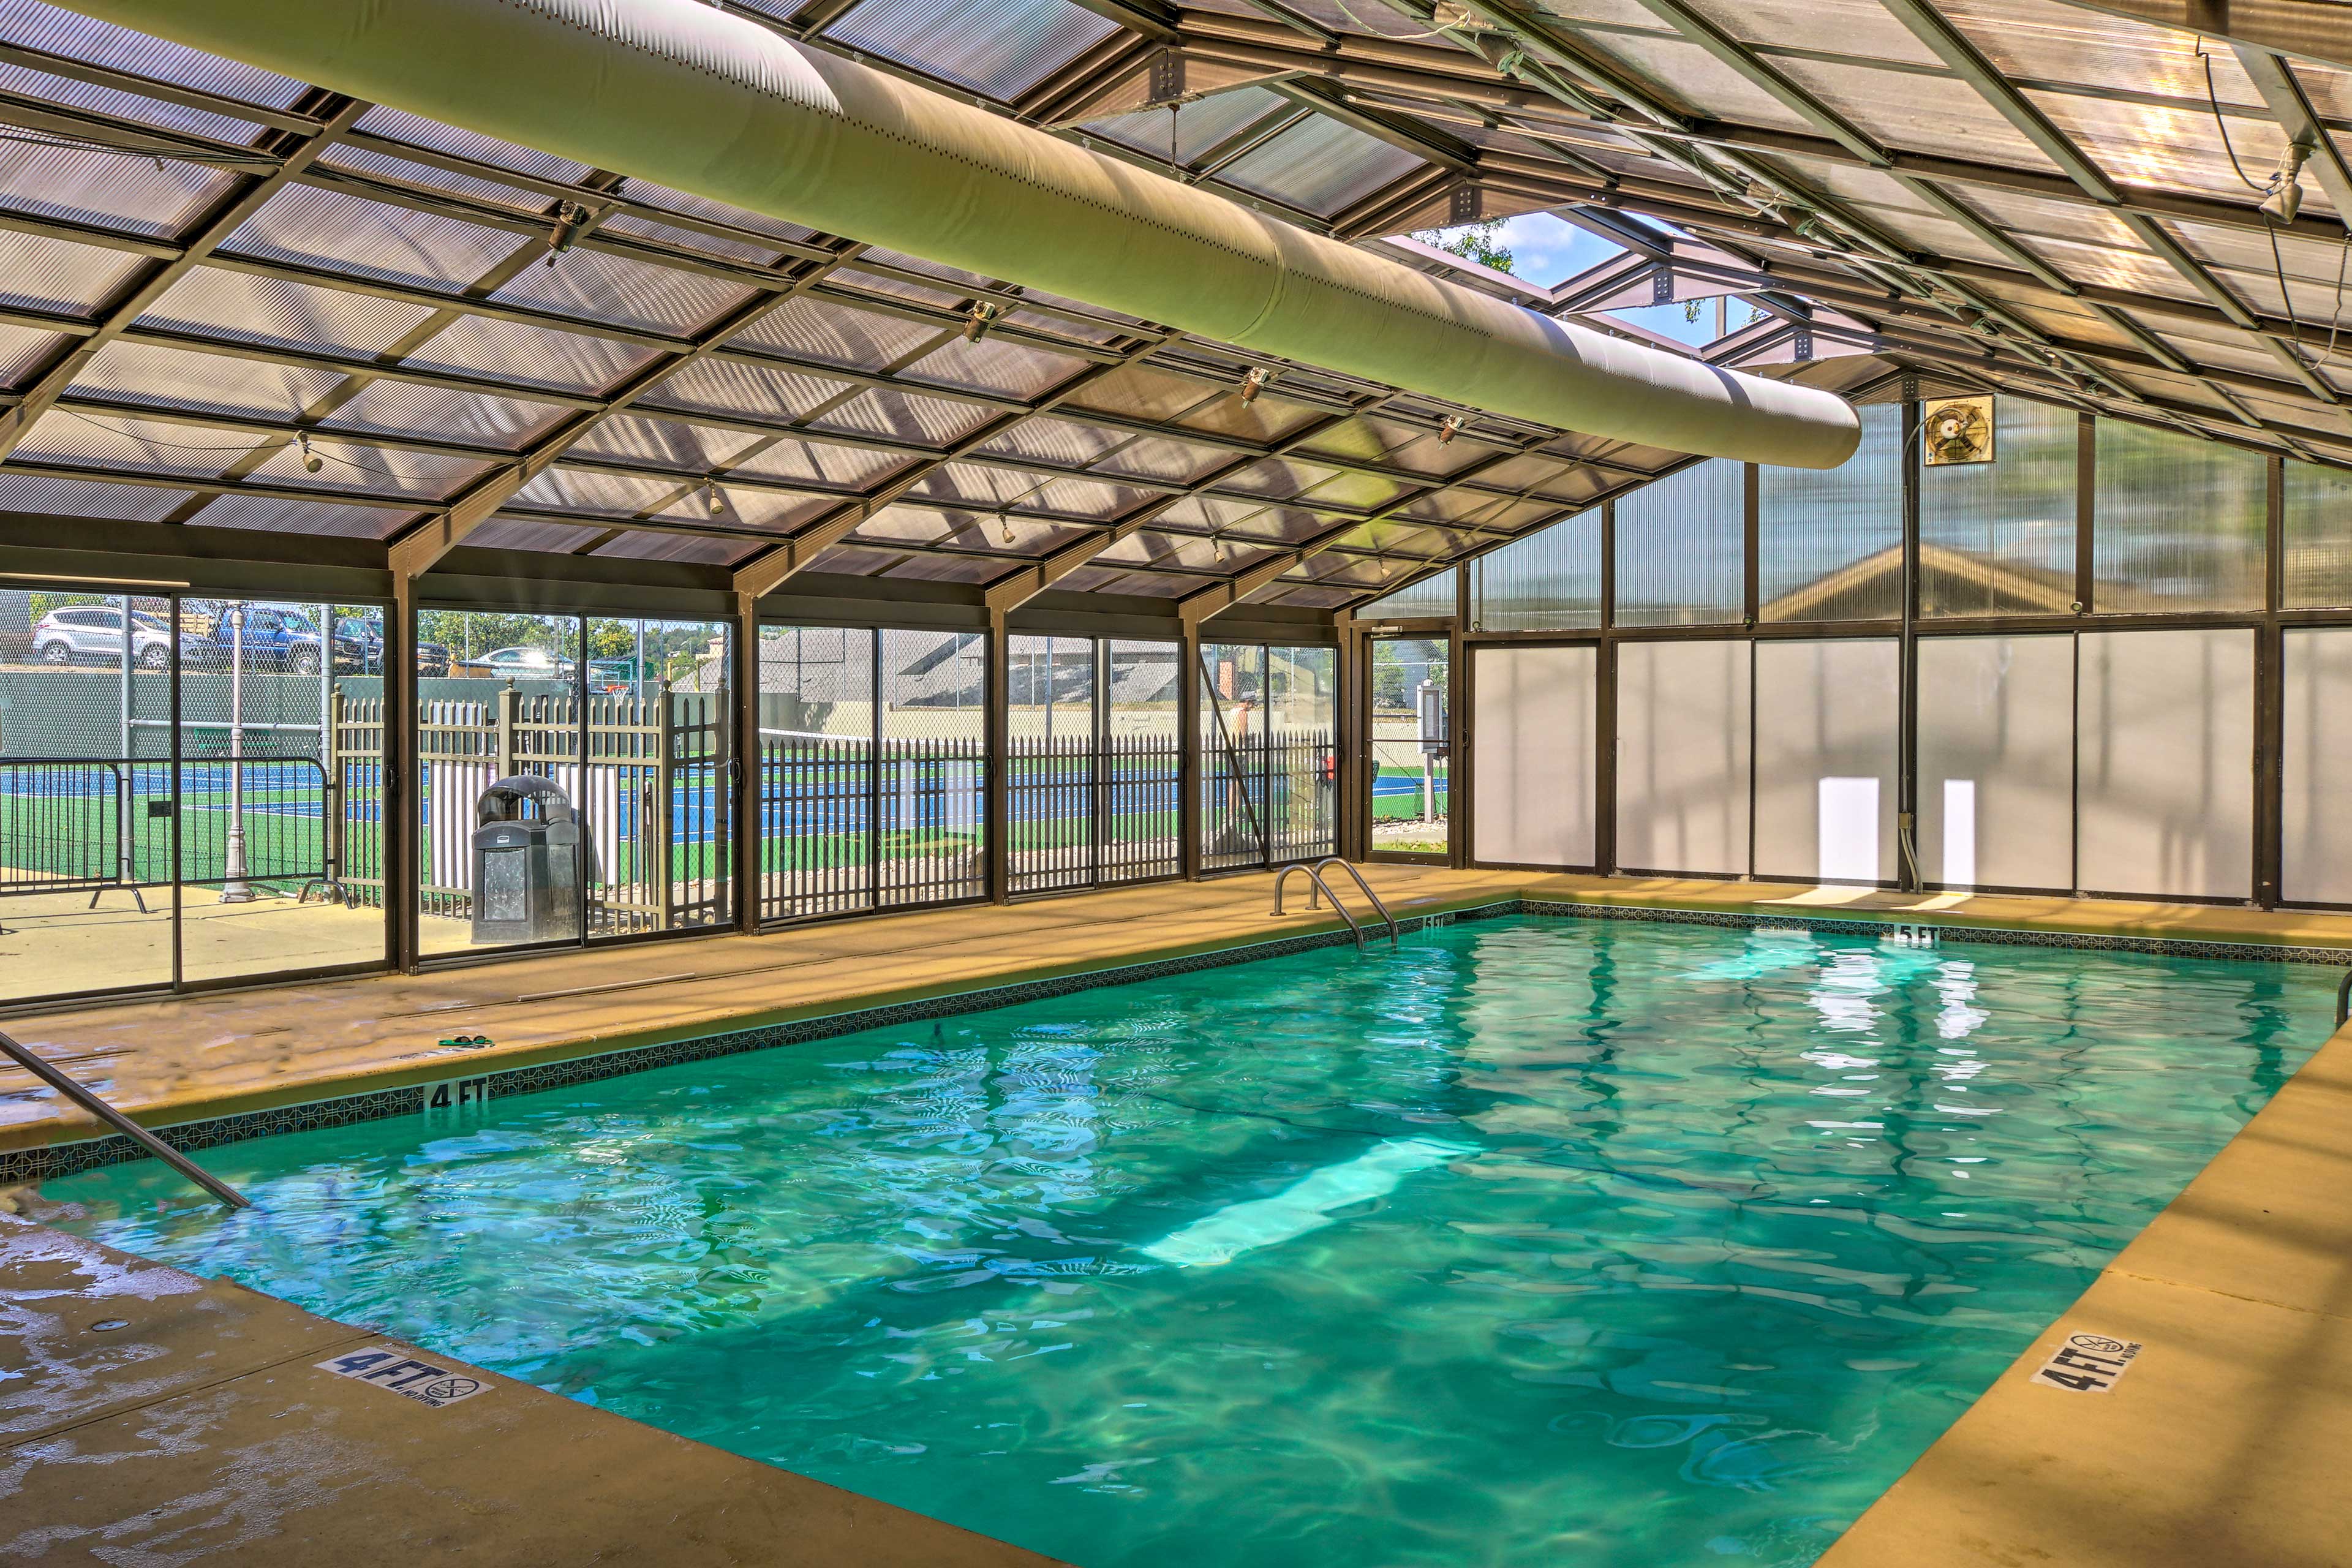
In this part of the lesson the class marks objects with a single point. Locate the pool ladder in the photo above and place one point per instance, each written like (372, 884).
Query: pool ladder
(1317, 886)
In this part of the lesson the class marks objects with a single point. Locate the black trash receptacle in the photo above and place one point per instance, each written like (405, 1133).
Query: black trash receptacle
(526, 868)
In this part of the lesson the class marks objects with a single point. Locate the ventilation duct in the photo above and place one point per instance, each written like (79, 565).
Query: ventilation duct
(694, 97)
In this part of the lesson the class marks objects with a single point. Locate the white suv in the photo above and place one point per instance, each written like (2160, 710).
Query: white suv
(95, 632)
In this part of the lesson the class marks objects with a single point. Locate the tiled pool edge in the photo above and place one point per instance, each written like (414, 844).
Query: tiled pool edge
(51, 1161)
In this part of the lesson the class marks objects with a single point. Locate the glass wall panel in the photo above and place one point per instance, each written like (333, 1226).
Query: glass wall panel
(498, 699)
(1533, 717)
(2178, 525)
(87, 843)
(1432, 596)
(1302, 767)
(1269, 765)
(1829, 541)
(1683, 777)
(815, 772)
(1998, 538)
(1828, 726)
(932, 758)
(1412, 745)
(2164, 763)
(1052, 748)
(660, 739)
(2319, 537)
(1142, 730)
(1997, 761)
(1682, 548)
(2317, 848)
(1548, 582)
(272, 812)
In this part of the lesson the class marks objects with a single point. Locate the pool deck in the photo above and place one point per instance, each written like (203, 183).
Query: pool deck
(200, 1428)
(2219, 1446)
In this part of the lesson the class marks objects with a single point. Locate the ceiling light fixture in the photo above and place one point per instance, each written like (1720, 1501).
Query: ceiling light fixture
(311, 463)
(1005, 528)
(1216, 548)
(1255, 383)
(717, 504)
(1448, 428)
(2285, 199)
(979, 319)
(571, 222)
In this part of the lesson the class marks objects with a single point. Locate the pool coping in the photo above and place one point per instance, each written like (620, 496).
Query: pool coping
(563, 1064)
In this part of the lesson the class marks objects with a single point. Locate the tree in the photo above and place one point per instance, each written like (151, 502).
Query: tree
(1478, 242)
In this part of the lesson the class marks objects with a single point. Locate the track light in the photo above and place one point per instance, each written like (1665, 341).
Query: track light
(2285, 199)
(979, 319)
(310, 462)
(1255, 383)
(571, 222)
(1448, 428)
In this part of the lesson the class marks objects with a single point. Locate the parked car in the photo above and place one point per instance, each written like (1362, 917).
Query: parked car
(520, 664)
(369, 636)
(271, 638)
(85, 634)
(432, 658)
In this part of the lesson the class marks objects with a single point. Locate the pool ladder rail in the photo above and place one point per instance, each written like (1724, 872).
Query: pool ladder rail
(1317, 886)
(56, 1077)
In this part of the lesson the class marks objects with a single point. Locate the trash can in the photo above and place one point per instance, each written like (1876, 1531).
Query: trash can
(526, 868)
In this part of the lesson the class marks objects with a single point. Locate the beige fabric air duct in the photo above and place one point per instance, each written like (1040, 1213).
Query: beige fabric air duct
(696, 99)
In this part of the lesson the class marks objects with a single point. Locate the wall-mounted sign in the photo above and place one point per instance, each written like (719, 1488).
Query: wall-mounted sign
(1958, 430)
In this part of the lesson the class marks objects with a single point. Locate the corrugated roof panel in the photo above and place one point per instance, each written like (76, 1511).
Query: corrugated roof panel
(1198, 125)
(270, 514)
(106, 101)
(373, 469)
(69, 33)
(664, 443)
(753, 392)
(133, 445)
(927, 421)
(401, 407)
(833, 333)
(677, 547)
(349, 233)
(505, 532)
(124, 193)
(622, 293)
(134, 372)
(38, 273)
(240, 307)
(399, 125)
(532, 356)
(750, 508)
(25, 351)
(993, 365)
(592, 491)
(998, 49)
(1319, 165)
(828, 463)
(86, 497)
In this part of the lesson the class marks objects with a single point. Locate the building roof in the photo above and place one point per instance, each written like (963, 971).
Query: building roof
(231, 300)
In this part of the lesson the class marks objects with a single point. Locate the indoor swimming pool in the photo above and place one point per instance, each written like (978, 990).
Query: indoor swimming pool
(1535, 1241)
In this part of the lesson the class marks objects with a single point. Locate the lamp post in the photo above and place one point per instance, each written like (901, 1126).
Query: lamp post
(235, 889)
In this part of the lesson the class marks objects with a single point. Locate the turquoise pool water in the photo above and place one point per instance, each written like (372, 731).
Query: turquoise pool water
(1537, 1242)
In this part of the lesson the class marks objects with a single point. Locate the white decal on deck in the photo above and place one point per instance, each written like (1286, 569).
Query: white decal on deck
(2088, 1363)
(389, 1366)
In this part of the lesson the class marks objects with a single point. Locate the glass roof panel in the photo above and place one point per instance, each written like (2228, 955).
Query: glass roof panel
(999, 48)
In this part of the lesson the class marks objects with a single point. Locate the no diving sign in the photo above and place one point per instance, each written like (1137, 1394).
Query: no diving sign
(389, 1366)
(2088, 1363)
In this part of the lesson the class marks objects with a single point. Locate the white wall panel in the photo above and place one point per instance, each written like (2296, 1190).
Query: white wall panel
(1532, 735)
(1828, 732)
(2316, 828)
(2164, 760)
(1997, 761)
(1683, 756)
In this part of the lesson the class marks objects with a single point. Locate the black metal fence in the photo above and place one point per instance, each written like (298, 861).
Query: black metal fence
(847, 823)
(1084, 812)
(70, 825)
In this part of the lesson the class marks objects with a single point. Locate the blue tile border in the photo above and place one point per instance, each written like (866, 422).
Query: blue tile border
(59, 1160)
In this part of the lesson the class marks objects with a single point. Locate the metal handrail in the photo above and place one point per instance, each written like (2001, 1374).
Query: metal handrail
(1386, 919)
(2343, 997)
(1314, 878)
(49, 1073)
(1283, 878)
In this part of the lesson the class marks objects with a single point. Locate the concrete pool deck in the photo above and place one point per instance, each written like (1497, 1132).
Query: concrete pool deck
(2219, 1446)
